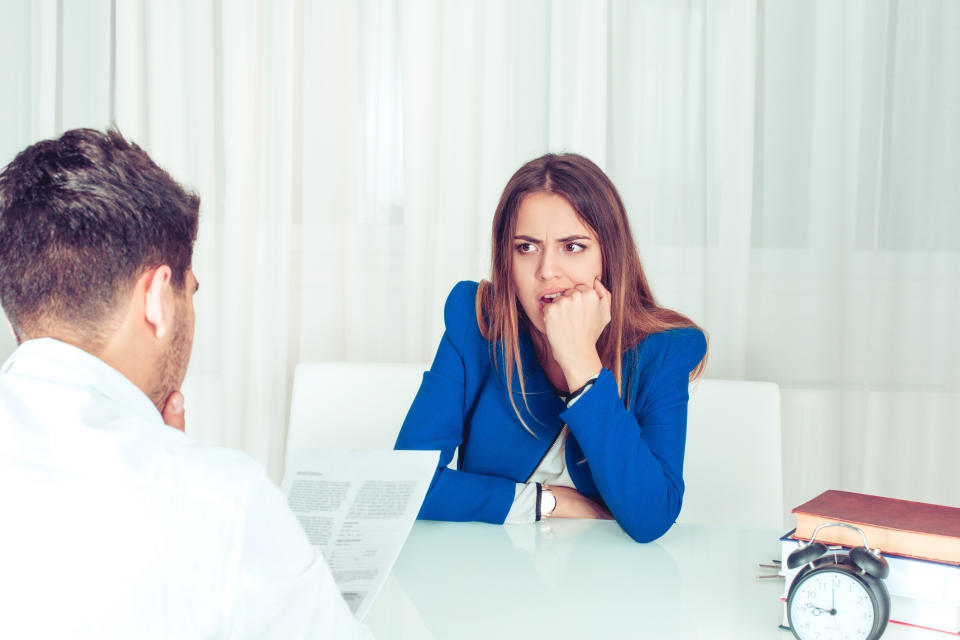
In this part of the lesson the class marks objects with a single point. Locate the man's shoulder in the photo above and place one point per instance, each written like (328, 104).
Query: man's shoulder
(97, 442)
(205, 471)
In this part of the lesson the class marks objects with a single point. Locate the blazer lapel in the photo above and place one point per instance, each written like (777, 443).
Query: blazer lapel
(542, 406)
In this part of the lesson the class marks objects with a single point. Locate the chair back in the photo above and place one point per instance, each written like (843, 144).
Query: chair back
(732, 467)
(350, 405)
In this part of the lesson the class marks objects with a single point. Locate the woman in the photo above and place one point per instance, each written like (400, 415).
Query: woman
(561, 381)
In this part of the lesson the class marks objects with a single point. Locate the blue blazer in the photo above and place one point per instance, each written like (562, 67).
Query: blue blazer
(631, 460)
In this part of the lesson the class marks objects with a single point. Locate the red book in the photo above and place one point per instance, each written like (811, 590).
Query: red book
(917, 529)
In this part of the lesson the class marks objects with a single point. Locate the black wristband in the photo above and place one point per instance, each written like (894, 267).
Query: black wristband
(576, 394)
(539, 493)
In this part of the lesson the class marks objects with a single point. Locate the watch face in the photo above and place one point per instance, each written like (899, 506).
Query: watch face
(830, 603)
(548, 502)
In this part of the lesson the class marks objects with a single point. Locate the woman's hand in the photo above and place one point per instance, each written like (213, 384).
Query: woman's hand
(570, 504)
(574, 322)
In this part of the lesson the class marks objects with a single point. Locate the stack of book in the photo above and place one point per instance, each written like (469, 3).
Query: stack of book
(920, 541)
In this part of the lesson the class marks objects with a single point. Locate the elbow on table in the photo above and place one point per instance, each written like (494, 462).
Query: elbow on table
(648, 525)
(647, 531)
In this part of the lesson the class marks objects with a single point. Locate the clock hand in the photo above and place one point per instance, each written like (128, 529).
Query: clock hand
(836, 621)
(820, 610)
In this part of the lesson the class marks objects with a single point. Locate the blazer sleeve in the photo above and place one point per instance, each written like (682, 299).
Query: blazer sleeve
(636, 455)
(436, 421)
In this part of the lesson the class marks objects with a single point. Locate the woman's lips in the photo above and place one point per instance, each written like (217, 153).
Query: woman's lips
(548, 298)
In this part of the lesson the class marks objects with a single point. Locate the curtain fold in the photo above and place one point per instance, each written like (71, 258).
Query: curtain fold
(789, 170)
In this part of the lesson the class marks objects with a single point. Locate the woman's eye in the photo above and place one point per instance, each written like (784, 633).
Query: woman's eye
(575, 247)
(526, 247)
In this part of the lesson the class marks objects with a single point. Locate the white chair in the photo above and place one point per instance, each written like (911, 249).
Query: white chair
(350, 405)
(732, 466)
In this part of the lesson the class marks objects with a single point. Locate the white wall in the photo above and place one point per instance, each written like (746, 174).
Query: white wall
(789, 168)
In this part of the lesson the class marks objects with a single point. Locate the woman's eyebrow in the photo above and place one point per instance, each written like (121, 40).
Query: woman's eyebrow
(572, 238)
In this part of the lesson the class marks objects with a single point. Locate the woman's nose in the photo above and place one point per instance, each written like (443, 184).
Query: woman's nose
(548, 268)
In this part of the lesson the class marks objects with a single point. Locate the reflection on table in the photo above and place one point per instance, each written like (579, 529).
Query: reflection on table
(584, 579)
(578, 579)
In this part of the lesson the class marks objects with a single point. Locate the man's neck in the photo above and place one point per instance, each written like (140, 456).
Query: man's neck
(118, 350)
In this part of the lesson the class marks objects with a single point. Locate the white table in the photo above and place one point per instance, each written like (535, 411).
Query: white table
(584, 579)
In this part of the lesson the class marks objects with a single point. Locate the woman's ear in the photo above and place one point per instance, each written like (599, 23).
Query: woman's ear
(155, 284)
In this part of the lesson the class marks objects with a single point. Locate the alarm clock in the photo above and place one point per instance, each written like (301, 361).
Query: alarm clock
(838, 595)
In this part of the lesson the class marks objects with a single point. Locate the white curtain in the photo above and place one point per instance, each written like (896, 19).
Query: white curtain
(790, 169)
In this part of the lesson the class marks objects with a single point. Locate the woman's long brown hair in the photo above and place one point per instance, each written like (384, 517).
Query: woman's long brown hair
(634, 313)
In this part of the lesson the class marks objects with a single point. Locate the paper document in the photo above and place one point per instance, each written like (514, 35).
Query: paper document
(357, 508)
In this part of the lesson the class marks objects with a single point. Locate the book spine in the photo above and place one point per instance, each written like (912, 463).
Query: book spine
(908, 543)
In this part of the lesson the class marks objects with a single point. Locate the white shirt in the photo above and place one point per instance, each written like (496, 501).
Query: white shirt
(552, 470)
(114, 525)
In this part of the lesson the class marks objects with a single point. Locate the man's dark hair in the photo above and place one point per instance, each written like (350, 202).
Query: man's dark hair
(81, 217)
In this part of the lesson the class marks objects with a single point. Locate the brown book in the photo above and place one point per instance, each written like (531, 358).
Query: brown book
(917, 529)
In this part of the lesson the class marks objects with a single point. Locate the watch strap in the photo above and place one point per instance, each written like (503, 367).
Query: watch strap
(541, 512)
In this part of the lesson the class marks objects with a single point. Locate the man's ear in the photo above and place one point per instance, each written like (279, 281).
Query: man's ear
(156, 283)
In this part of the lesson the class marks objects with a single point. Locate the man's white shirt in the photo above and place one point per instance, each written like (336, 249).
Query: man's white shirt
(114, 525)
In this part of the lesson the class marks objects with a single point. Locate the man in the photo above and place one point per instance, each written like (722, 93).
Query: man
(112, 523)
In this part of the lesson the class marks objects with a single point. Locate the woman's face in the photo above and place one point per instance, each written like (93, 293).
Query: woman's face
(552, 251)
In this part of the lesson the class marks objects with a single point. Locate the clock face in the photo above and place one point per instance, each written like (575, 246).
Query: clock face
(828, 604)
